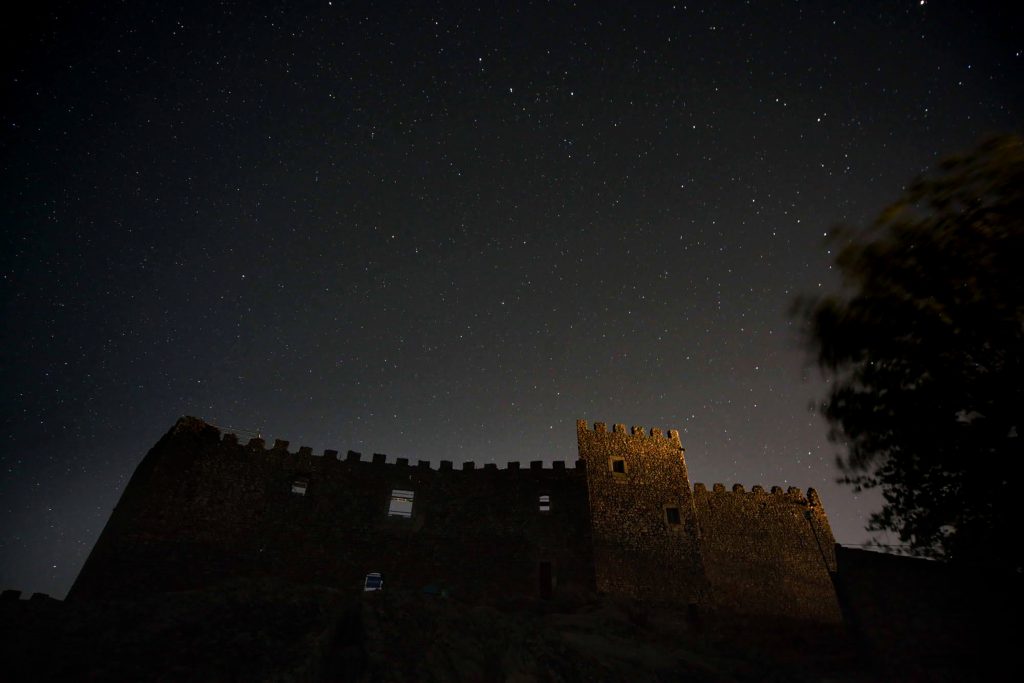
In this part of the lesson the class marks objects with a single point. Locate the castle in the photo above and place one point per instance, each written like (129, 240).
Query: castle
(623, 520)
(232, 561)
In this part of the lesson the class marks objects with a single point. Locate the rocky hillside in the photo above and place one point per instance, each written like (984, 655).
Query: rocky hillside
(262, 631)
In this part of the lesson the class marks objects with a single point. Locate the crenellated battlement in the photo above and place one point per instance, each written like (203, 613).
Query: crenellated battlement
(793, 493)
(281, 448)
(635, 431)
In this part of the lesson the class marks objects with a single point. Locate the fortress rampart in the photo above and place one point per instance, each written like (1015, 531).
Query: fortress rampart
(202, 508)
(767, 553)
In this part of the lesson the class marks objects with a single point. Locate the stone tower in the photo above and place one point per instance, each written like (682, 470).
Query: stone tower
(644, 530)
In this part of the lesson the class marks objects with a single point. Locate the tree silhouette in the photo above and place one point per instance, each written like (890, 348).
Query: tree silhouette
(923, 350)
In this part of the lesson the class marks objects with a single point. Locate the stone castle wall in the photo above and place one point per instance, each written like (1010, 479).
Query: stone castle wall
(767, 553)
(639, 550)
(202, 508)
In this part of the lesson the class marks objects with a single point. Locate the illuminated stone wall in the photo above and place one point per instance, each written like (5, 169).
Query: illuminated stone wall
(639, 550)
(768, 553)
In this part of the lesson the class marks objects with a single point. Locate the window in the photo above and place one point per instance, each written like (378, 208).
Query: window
(544, 504)
(617, 464)
(672, 515)
(299, 486)
(373, 582)
(401, 504)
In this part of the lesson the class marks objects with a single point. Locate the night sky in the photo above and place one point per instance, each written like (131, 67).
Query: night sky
(446, 232)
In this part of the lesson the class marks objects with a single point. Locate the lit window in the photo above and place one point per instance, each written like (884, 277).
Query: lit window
(617, 464)
(299, 486)
(401, 504)
(672, 515)
(545, 504)
(373, 582)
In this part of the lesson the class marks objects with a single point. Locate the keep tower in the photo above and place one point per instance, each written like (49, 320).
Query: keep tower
(644, 529)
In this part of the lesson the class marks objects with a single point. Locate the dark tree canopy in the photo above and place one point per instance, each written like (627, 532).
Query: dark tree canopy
(924, 350)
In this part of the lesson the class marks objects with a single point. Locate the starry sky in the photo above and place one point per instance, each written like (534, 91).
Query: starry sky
(446, 231)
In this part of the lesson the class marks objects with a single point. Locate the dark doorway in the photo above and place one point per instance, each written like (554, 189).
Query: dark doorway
(544, 580)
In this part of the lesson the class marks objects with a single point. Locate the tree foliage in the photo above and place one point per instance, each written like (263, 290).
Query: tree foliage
(923, 349)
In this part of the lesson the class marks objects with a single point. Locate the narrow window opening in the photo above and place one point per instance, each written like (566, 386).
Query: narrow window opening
(299, 486)
(672, 515)
(401, 503)
(617, 465)
(544, 504)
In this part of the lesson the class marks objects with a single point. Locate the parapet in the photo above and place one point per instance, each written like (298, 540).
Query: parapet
(792, 493)
(636, 431)
(257, 446)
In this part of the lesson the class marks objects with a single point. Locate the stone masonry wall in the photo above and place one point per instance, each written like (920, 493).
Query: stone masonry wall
(202, 508)
(767, 553)
(638, 549)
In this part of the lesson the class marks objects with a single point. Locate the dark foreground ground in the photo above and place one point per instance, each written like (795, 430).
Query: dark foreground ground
(261, 631)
